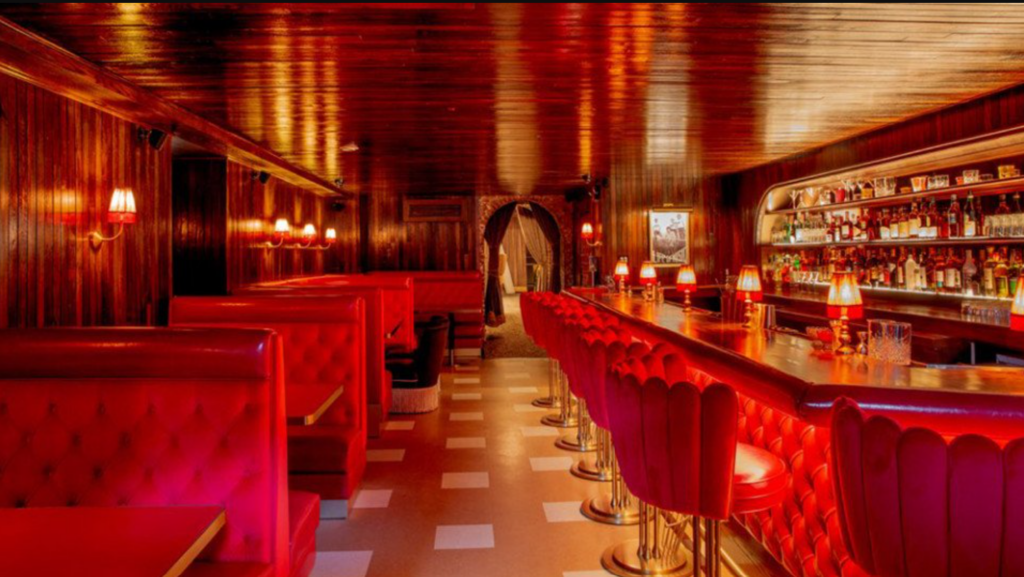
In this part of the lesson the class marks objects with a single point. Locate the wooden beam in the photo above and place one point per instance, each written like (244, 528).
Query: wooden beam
(27, 56)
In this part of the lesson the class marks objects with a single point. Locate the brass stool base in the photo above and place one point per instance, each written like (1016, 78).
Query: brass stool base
(599, 509)
(622, 560)
(556, 421)
(590, 472)
(545, 403)
(572, 443)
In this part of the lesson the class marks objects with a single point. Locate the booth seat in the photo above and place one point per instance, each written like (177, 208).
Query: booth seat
(397, 294)
(378, 379)
(157, 417)
(458, 295)
(324, 342)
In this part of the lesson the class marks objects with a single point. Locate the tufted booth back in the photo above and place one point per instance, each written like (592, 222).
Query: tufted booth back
(324, 339)
(442, 291)
(396, 294)
(150, 417)
(912, 504)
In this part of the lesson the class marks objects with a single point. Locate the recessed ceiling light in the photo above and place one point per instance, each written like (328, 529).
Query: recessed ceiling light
(350, 147)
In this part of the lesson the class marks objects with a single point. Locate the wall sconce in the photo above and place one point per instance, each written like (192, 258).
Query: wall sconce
(121, 212)
(330, 235)
(282, 231)
(308, 236)
(587, 234)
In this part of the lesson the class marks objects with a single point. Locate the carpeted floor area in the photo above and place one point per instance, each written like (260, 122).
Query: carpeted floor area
(510, 340)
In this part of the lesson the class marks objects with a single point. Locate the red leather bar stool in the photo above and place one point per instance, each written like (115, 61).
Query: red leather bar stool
(677, 444)
(583, 441)
(529, 305)
(912, 503)
(558, 312)
(604, 349)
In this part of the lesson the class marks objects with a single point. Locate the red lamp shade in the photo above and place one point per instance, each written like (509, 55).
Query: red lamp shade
(648, 274)
(330, 235)
(281, 228)
(844, 298)
(122, 207)
(686, 278)
(1017, 310)
(587, 232)
(749, 284)
(621, 270)
(308, 232)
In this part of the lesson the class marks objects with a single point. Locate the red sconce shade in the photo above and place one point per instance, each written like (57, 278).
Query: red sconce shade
(686, 278)
(308, 232)
(748, 286)
(330, 235)
(587, 232)
(1017, 310)
(844, 298)
(648, 274)
(122, 207)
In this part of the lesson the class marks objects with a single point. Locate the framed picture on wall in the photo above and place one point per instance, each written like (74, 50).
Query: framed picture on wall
(669, 236)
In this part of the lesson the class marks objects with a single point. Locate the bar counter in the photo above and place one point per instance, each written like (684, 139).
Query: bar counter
(784, 372)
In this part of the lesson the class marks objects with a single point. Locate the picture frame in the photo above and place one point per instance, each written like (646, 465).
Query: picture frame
(668, 233)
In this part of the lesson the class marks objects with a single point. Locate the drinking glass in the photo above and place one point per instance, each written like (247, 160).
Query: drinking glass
(919, 183)
(876, 339)
(897, 342)
(938, 181)
(1007, 171)
(972, 176)
(1017, 230)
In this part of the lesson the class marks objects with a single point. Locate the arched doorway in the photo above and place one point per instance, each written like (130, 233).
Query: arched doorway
(522, 251)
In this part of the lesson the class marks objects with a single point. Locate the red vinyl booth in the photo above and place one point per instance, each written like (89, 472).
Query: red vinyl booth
(378, 379)
(324, 342)
(912, 503)
(457, 295)
(157, 417)
(399, 320)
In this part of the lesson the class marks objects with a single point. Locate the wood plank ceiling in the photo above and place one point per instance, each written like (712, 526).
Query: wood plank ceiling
(523, 98)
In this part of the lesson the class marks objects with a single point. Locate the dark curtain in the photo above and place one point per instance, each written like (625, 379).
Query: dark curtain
(493, 235)
(550, 227)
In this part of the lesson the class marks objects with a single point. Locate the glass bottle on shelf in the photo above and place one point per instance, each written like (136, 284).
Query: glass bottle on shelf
(953, 280)
(955, 218)
(988, 274)
(922, 275)
(936, 267)
(934, 220)
(882, 224)
(1002, 274)
(970, 217)
(913, 222)
(969, 275)
(1018, 217)
(903, 229)
(846, 229)
(901, 270)
(891, 264)
(1015, 269)
(910, 272)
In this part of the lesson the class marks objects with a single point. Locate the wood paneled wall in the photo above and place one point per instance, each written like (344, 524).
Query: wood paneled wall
(252, 209)
(59, 163)
(393, 244)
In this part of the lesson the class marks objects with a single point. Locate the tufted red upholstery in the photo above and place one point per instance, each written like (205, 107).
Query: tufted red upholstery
(121, 420)
(397, 298)
(324, 342)
(304, 518)
(458, 295)
(912, 504)
(378, 380)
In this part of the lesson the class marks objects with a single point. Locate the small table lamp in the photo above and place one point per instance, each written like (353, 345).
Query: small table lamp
(844, 304)
(622, 274)
(648, 278)
(1017, 310)
(686, 282)
(748, 290)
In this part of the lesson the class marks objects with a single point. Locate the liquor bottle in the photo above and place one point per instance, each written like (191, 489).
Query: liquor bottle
(867, 191)
(846, 229)
(901, 268)
(955, 219)
(1017, 231)
(954, 281)
(894, 226)
(1002, 273)
(891, 264)
(913, 222)
(840, 195)
(935, 220)
(969, 276)
(910, 272)
(922, 274)
(936, 267)
(883, 225)
(904, 225)
(970, 217)
(988, 274)
(1015, 270)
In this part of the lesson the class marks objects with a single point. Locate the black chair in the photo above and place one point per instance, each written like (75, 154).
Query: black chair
(415, 378)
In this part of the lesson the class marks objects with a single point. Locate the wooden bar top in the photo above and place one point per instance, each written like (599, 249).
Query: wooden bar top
(785, 372)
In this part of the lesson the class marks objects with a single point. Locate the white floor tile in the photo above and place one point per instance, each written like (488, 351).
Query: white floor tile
(466, 443)
(465, 481)
(540, 431)
(528, 408)
(523, 390)
(342, 564)
(467, 396)
(399, 425)
(464, 537)
(467, 380)
(373, 499)
(564, 512)
(542, 464)
(385, 455)
(467, 417)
